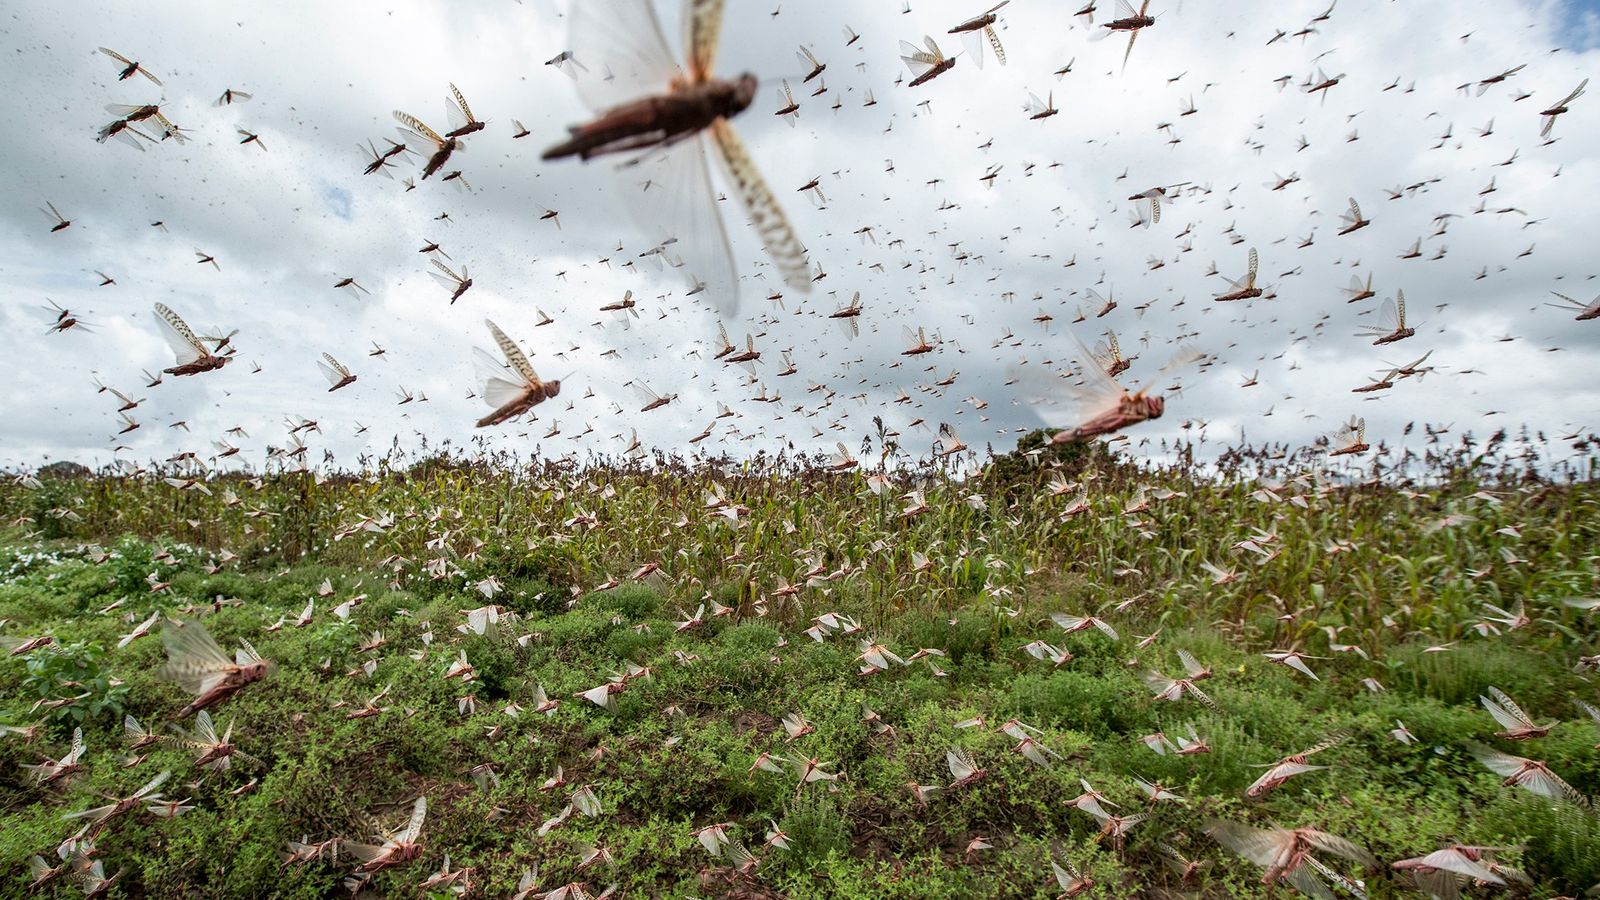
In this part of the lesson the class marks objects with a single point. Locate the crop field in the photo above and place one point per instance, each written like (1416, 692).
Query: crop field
(769, 679)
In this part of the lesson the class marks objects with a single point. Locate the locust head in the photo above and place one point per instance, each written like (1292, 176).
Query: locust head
(255, 671)
(744, 91)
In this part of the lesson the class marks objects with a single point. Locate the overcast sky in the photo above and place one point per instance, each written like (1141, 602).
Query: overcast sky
(971, 261)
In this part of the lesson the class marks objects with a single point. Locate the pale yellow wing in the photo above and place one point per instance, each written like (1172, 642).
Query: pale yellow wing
(704, 22)
(179, 336)
(336, 365)
(776, 233)
(246, 654)
(417, 126)
(994, 41)
(462, 102)
(513, 353)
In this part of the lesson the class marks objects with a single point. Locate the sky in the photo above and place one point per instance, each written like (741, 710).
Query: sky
(994, 271)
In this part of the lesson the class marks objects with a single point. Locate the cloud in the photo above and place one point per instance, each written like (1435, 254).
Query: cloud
(1580, 24)
(338, 200)
(975, 262)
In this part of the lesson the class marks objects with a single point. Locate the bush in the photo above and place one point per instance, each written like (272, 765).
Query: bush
(72, 680)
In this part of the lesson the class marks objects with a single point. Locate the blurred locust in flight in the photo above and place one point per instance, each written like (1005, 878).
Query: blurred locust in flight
(651, 105)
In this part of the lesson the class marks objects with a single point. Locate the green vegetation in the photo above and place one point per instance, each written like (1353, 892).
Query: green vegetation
(1403, 569)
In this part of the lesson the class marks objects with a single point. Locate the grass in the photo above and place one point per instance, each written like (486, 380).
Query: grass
(1397, 566)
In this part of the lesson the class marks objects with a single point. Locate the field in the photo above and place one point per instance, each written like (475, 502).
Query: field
(816, 591)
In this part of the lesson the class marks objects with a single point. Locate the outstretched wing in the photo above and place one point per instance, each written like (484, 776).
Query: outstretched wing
(1338, 845)
(462, 102)
(644, 392)
(704, 30)
(621, 43)
(1505, 710)
(336, 367)
(445, 276)
(150, 786)
(246, 654)
(1503, 764)
(1259, 845)
(919, 61)
(513, 353)
(179, 336)
(973, 42)
(1390, 317)
(422, 138)
(194, 660)
(1064, 397)
(1190, 664)
(363, 852)
(1355, 432)
(1097, 390)
(994, 42)
(960, 763)
(1449, 863)
(495, 387)
(671, 199)
(776, 233)
(413, 829)
(205, 732)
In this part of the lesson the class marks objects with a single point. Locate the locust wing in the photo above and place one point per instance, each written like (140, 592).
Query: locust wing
(623, 42)
(333, 370)
(918, 60)
(1081, 398)
(994, 44)
(179, 336)
(418, 136)
(413, 829)
(194, 660)
(777, 235)
(457, 111)
(677, 208)
(1352, 216)
(513, 353)
(495, 385)
(703, 22)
